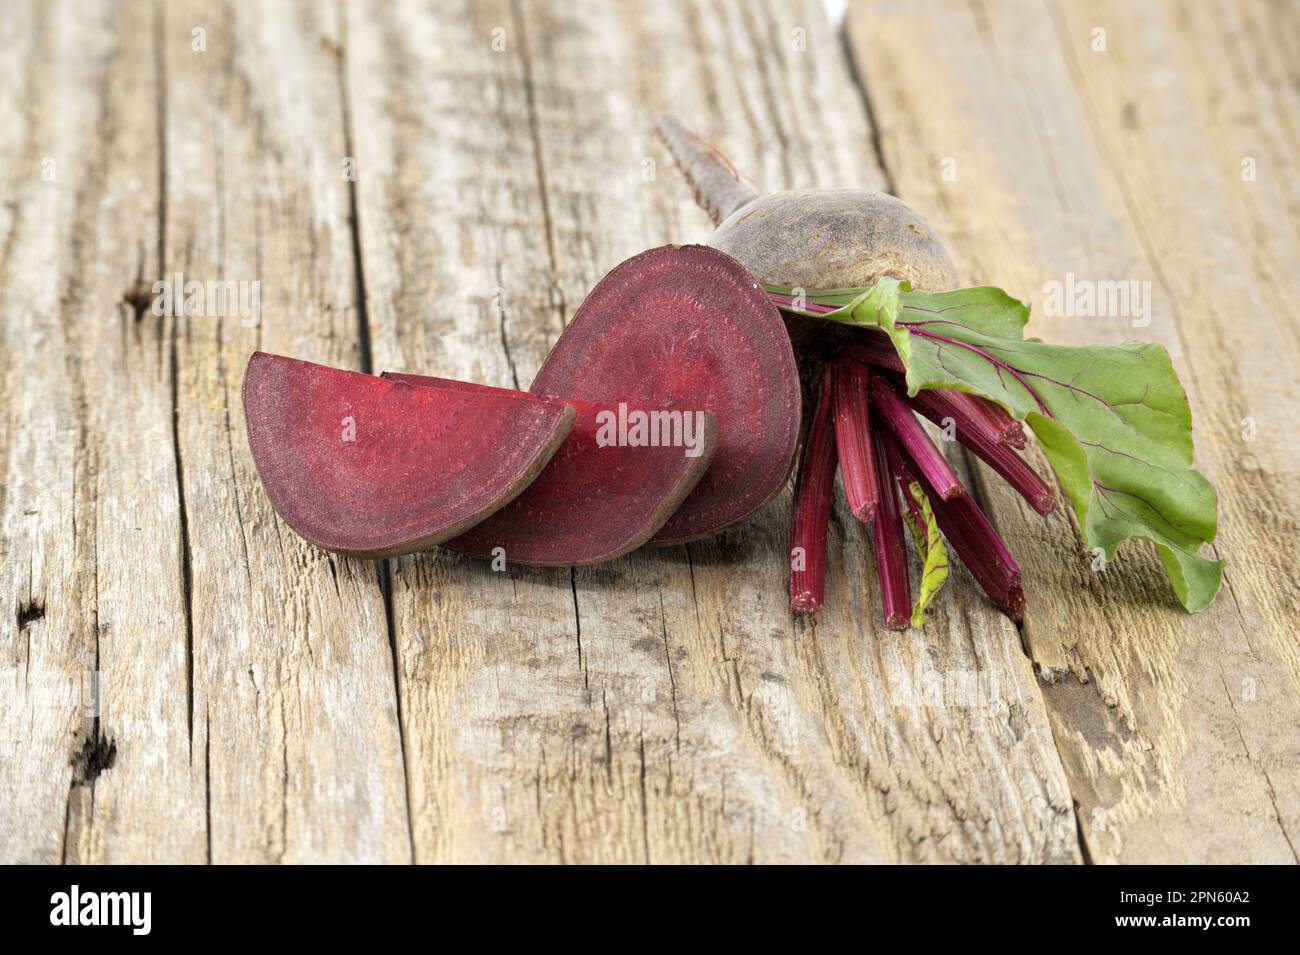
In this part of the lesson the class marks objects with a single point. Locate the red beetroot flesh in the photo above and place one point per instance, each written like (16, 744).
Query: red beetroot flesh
(590, 503)
(377, 468)
(686, 327)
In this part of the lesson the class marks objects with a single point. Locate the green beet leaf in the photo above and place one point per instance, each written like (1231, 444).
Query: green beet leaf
(930, 549)
(1113, 420)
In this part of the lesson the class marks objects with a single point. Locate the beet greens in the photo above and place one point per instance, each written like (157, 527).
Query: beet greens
(1112, 420)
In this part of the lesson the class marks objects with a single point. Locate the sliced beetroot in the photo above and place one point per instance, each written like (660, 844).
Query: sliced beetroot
(590, 503)
(376, 468)
(686, 327)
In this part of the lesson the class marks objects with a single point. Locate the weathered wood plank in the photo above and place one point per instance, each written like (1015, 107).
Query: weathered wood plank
(92, 544)
(248, 699)
(295, 705)
(662, 707)
(1178, 732)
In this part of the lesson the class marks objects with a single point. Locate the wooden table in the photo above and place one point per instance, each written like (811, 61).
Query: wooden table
(433, 187)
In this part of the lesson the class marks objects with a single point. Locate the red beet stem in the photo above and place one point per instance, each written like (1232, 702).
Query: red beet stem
(812, 507)
(898, 471)
(781, 300)
(978, 435)
(853, 438)
(1009, 431)
(887, 535)
(872, 348)
(929, 459)
(956, 405)
(972, 536)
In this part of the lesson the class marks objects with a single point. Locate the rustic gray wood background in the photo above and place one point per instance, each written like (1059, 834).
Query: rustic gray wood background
(260, 700)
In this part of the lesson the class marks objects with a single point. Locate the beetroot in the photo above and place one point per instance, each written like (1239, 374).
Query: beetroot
(820, 254)
(590, 503)
(809, 239)
(377, 468)
(687, 328)
(813, 238)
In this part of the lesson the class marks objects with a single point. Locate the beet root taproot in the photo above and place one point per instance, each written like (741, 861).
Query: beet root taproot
(687, 328)
(375, 468)
(595, 500)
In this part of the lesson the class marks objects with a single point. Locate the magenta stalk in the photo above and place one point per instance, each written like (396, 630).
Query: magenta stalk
(872, 348)
(977, 544)
(977, 434)
(887, 534)
(781, 300)
(812, 506)
(979, 414)
(900, 420)
(1009, 431)
(853, 438)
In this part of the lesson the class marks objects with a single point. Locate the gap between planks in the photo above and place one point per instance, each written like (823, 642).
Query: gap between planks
(977, 488)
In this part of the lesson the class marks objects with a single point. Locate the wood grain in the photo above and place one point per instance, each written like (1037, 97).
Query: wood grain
(248, 705)
(294, 696)
(434, 188)
(1179, 733)
(92, 536)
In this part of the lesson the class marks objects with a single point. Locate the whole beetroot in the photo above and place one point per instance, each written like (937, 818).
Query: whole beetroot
(810, 238)
(819, 239)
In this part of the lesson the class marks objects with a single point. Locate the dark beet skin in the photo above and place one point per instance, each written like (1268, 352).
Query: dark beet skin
(422, 466)
(590, 503)
(835, 238)
(686, 327)
(813, 238)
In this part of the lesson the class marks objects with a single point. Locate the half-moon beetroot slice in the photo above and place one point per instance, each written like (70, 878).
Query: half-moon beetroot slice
(591, 502)
(377, 468)
(686, 327)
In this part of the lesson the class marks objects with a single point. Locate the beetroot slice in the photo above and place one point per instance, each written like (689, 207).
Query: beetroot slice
(687, 327)
(377, 468)
(590, 503)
